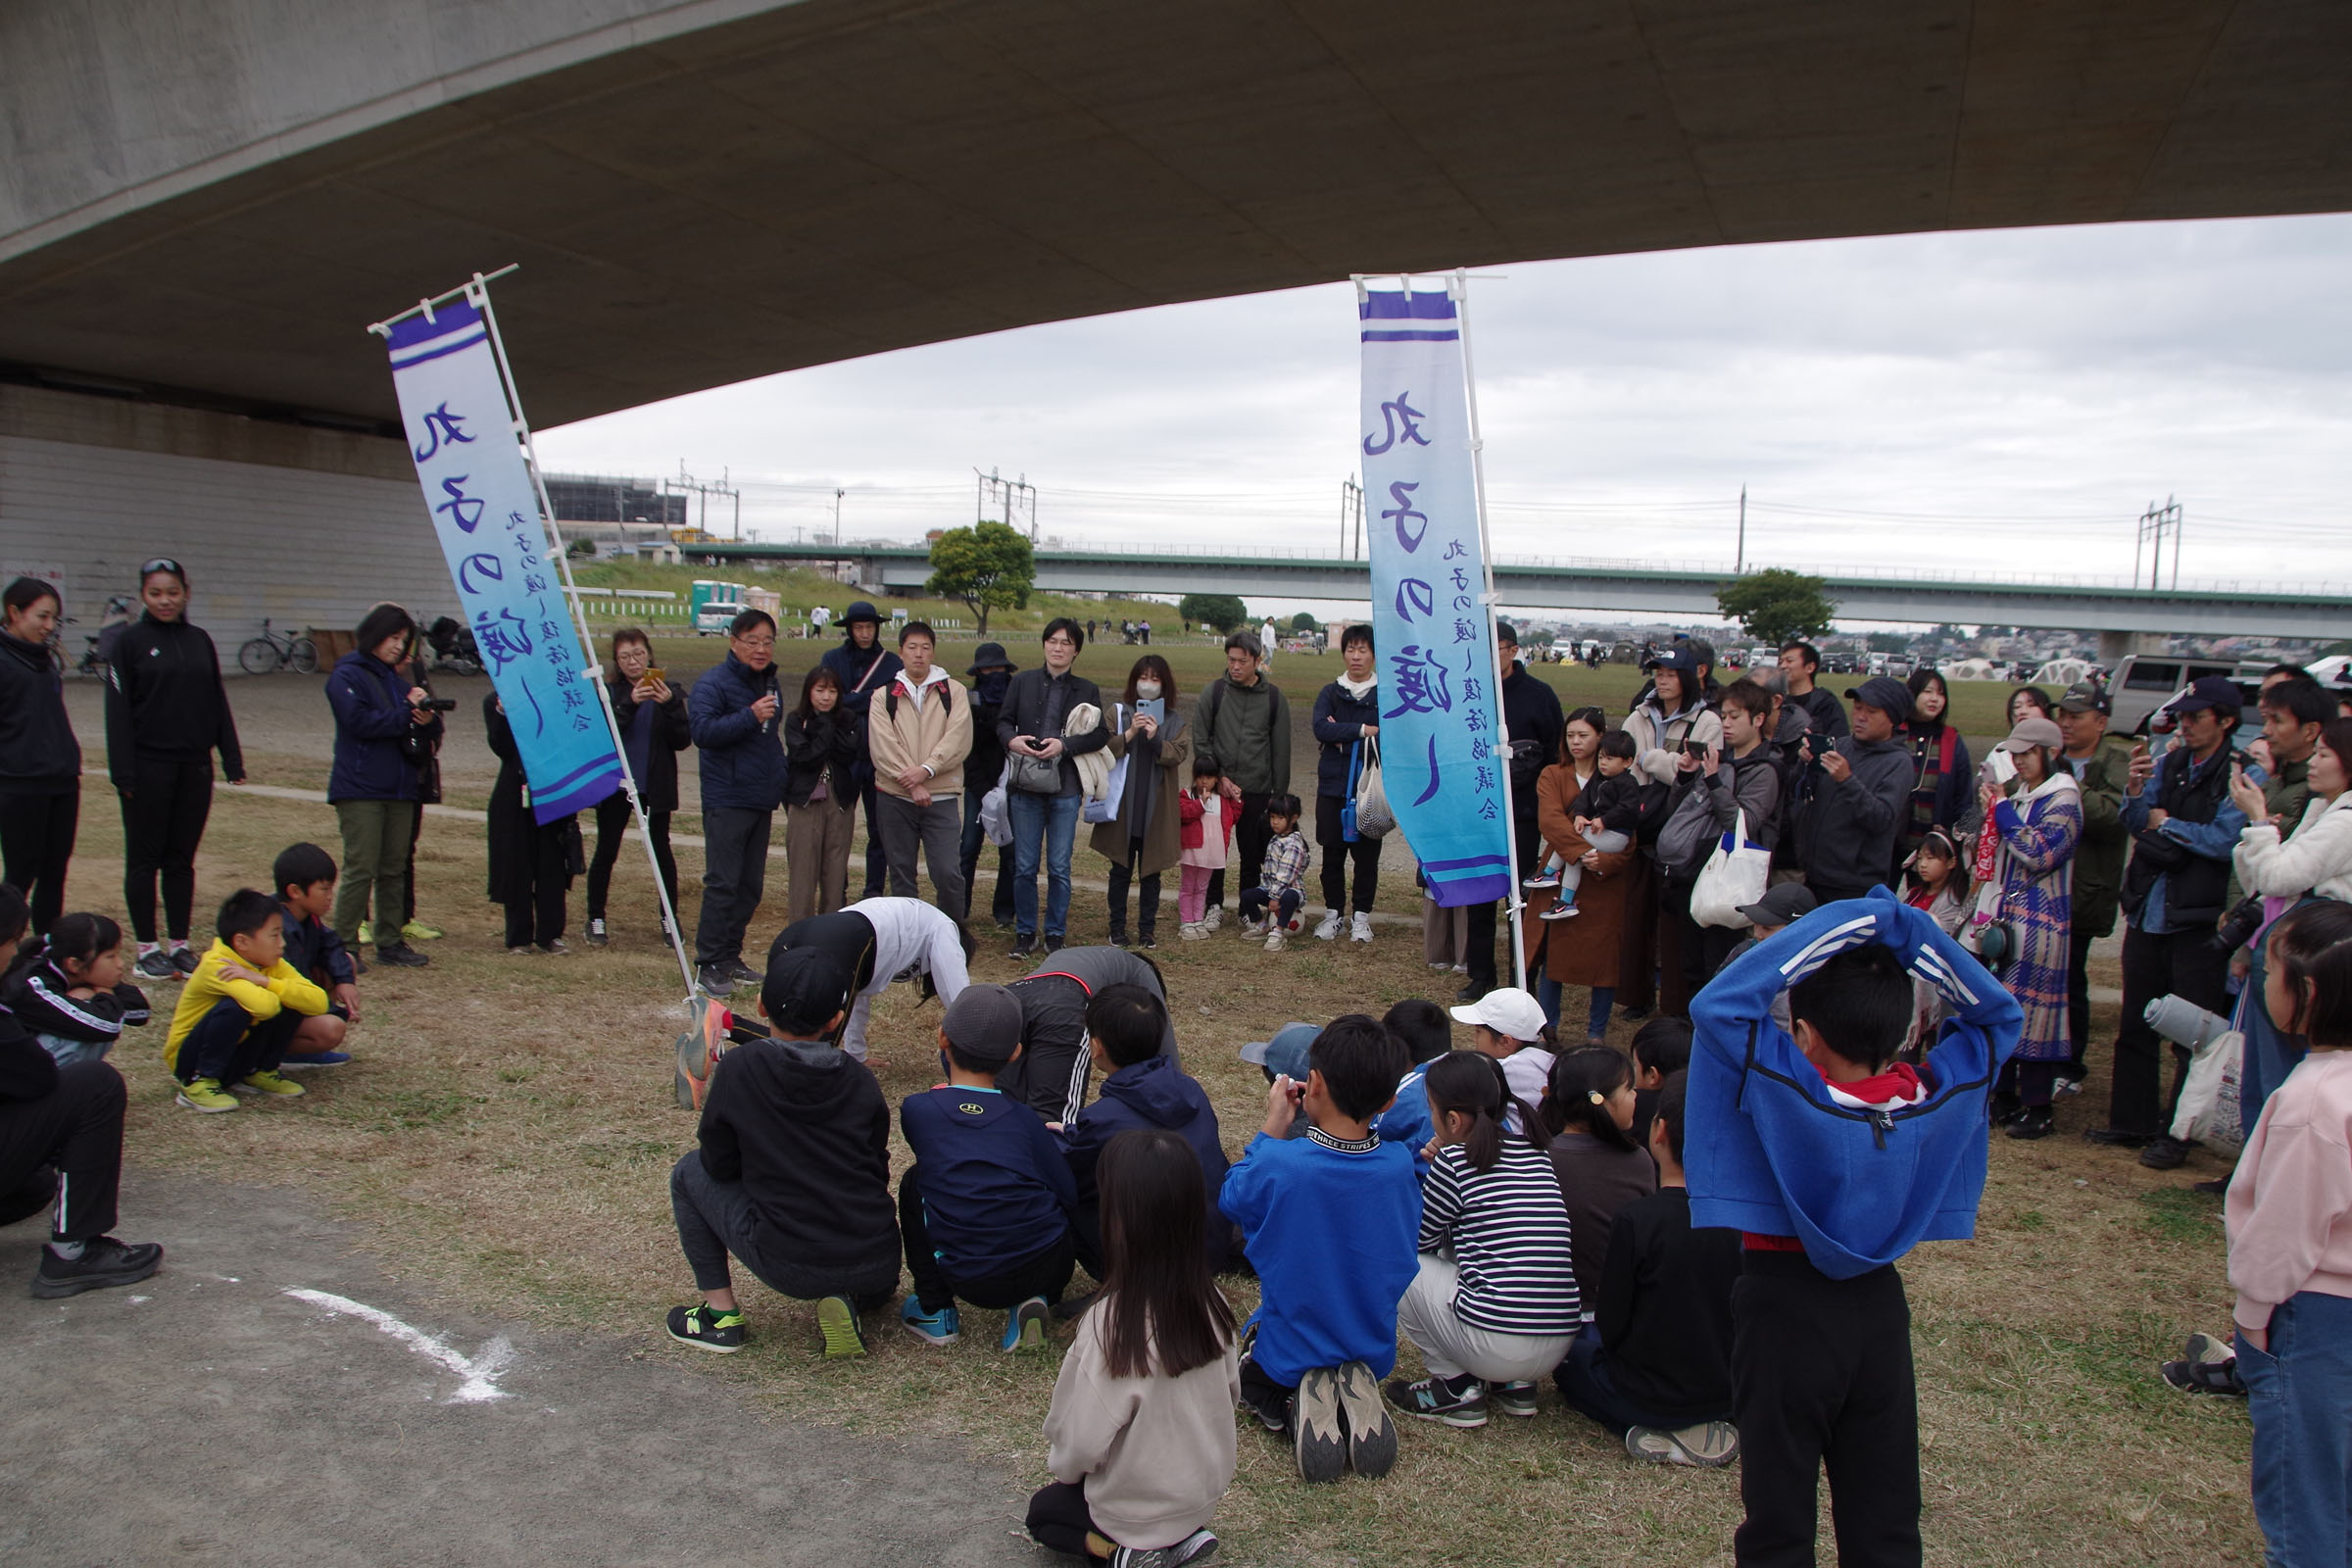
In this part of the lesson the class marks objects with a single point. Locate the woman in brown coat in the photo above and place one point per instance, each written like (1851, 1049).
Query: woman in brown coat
(1586, 950)
(1146, 837)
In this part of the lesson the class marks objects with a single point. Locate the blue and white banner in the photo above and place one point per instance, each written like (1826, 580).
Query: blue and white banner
(485, 509)
(1441, 747)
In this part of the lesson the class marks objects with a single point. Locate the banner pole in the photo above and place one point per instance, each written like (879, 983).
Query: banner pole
(478, 294)
(1458, 285)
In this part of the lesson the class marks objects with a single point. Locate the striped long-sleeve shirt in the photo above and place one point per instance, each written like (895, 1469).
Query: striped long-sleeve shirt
(1509, 1231)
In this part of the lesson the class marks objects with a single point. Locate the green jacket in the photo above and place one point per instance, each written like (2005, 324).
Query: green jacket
(2286, 792)
(1245, 730)
(2099, 862)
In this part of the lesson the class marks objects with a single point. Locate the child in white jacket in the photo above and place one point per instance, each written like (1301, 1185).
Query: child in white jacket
(1141, 1432)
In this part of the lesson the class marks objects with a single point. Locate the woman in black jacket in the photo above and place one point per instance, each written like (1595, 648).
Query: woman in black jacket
(820, 796)
(654, 730)
(40, 760)
(167, 713)
(530, 862)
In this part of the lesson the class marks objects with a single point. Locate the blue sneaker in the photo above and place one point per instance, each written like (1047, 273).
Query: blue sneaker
(313, 1058)
(940, 1328)
(1025, 1326)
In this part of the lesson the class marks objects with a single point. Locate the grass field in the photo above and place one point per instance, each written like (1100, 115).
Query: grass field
(507, 1134)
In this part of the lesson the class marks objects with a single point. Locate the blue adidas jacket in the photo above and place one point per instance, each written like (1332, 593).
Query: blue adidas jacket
(1331, 1230)
(996, 1188)
(1771, 1149)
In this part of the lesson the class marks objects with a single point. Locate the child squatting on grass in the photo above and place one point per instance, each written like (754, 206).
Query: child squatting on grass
(304, 876)
(1141, 1436)
(1835, 1163)
(242, 1011)
(68, 989)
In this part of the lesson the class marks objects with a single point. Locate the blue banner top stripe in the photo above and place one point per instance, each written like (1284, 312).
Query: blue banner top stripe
(401, 362)
(1395, 306)
(1408, 336)
(412, 330)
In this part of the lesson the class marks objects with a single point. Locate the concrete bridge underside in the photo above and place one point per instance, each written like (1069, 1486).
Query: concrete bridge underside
(214, 195)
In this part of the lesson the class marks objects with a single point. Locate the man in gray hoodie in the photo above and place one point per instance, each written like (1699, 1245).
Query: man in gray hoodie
(1855, 793)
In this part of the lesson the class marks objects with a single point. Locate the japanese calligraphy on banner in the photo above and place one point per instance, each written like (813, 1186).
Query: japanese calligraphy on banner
(1441, 737)
(485, 509)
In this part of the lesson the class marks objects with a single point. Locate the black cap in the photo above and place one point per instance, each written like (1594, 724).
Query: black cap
(984, 1022)
(1886, 694)
(2086, 697)
(1785, 903)
(1678, 659)
(989, 656)
(804, 989)
(2209, 691)
(860, 609)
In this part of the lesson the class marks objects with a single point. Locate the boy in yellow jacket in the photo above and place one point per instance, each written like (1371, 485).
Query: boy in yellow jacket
(241, 1009)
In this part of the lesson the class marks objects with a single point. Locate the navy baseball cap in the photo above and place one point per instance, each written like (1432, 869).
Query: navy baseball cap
(1886, 694)
(1284, 1056)
(2209, 691)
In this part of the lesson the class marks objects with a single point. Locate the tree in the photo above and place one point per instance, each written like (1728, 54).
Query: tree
(988, 566)
(1888, 641)
(1778, 606)
(1304, 622)
(1224, 612)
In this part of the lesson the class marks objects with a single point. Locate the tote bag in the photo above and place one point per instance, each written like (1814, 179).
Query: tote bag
(1366, 816)
(1735, 873)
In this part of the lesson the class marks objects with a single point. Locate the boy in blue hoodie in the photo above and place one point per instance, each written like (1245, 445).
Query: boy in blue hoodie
(1330, 1222)
(1125, 1027)
(1835, 1160)
(986, 1207)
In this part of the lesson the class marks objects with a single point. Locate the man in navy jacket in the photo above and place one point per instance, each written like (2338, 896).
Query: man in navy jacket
(737, 730)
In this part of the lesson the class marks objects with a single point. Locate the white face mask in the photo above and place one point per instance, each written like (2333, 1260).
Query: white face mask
(1147, 690)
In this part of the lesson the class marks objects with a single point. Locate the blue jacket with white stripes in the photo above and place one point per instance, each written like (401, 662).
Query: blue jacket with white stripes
(1774, 1151)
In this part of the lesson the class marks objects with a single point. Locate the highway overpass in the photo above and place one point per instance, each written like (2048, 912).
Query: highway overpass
(1614, 590)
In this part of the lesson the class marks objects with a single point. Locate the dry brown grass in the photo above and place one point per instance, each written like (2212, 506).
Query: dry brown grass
(508, 1131)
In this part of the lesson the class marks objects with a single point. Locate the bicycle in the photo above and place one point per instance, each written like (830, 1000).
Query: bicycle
(270, 653)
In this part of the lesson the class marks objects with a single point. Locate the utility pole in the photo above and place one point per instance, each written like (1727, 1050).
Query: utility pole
(1351, 517)
(1011, 492)
(837, 495)
(686, 482)
(2154, 525)
(1740, 556)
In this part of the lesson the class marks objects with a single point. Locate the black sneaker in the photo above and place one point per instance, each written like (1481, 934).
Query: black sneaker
(1022, 946)
(706, 1328)
(104, 1262)
(744, 974)
(1052, 944)
(183, 959)
(1119, 939)
(1458, 1401)
(2164, 1153)
(1198, 1546)
(2118, 1138)
(1318, 1434)
(400, 955)
(1271, 1410)
(598, 935)
(2034, 1121)
(717, 980)
(157, 966)
(1472, 991)
(1371, 1435)
(2004, 1108)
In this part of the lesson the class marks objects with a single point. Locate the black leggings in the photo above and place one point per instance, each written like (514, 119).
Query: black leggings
(162, 823)
(613, 818)
(36, 841)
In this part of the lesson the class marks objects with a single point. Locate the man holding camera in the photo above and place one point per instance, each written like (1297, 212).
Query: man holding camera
(1857, 795)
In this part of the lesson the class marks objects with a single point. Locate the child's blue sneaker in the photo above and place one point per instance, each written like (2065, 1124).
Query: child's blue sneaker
(299, 1060)
(940, 1328)
(1025, 1326)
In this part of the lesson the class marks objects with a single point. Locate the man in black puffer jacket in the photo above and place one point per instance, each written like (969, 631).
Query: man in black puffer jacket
(1857, 794)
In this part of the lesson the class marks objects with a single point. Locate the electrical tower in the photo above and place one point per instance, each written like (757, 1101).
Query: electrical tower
(1351, 517)
(687, 483)
(1014, 497)
(2154, 525)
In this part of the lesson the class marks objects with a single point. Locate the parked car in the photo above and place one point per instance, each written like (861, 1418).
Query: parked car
(2145, 683)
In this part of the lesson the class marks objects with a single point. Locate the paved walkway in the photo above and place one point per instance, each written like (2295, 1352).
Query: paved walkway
(212, 1415)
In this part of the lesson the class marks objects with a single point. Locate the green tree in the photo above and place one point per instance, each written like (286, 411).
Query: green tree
(1777, 606)
(988, 566)
(1224, 612)
(1888, 641)
(1304, 622)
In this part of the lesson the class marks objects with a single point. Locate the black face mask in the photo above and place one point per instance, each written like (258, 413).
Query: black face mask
(990, 687)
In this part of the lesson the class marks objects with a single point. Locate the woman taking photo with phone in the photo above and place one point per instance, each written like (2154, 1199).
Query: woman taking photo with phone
(167, 713)
(654, 730)
(374, 787)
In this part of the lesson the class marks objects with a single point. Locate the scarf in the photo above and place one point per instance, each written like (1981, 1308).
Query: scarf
(1359, 690)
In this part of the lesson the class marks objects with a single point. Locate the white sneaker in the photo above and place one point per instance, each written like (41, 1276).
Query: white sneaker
(1330, 928)
(1214, 917)
(1560, 911)
(1193, 931)
(1360, 928)
(1461, 969)
(1252, 930)
(1276, 941)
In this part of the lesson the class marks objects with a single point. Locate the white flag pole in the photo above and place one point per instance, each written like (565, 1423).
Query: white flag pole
(477, 293)
(1458, 286)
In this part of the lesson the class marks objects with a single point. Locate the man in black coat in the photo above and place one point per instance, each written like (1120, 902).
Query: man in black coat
(1533, 725)
(992, 673)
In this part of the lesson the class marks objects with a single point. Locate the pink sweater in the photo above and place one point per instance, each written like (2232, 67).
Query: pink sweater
(2289, 1210)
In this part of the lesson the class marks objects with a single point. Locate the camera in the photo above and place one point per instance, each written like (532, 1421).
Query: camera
(439, 704)
(2184, 1023)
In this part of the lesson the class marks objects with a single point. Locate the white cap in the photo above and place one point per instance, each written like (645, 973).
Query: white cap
(1510, 1012)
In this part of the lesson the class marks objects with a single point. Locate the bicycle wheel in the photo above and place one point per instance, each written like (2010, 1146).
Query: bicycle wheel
(302, 656)
(258, 657)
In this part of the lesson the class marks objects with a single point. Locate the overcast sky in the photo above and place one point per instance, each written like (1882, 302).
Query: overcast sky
(1983, 403)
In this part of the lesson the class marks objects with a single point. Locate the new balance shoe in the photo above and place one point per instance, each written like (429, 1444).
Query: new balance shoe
(304, 1060)
(104, 1262)
(1025, 1326)
(205, 1095)
(275, 1085)
(1198, 1546)
(1328, 929)
(1513, 1398)
(1318, 1431)
(184, 959)
(1360, 928)
(706, 1328)
(1371, 1435)
(1710, 1445)
(156, 966)
(598, 934)
(1458, 1401)
(836, 1319)
(940, 1328)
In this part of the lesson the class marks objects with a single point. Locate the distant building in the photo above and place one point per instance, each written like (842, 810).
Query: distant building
(594, 498)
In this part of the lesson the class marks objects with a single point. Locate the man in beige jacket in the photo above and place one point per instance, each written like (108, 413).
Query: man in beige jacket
(918, 732)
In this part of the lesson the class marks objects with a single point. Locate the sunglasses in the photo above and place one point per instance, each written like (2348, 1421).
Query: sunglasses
(163, 564)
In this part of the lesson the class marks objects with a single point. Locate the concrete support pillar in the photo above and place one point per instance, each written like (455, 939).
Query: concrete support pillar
(2113, 646)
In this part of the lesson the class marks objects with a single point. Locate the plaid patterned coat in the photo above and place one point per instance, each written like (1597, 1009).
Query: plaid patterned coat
(2033, 889)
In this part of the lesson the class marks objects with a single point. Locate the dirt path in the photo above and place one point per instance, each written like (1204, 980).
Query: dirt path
(209, 1415)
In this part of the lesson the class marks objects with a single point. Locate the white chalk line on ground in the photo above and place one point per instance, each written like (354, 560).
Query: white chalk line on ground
(478, 1374)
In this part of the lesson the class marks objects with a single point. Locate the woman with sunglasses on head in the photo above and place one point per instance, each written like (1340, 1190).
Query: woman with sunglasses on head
(167, 713)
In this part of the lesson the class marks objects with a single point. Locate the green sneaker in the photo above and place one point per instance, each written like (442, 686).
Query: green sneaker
(418, 931)
(837, 1316)
(203, 1094)
(275, 1085)
(706, 1328)
(367, 932)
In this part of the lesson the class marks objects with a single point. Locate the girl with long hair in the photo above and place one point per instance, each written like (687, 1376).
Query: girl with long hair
(1141, 1432)
(1939, 755)
(1146, 836)
(68, 989)
(820, 796)
(1589, 1106)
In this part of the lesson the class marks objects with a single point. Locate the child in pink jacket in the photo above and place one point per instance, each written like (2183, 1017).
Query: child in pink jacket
(1206, 835)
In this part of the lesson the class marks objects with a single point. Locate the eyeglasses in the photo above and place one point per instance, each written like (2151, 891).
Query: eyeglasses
(757, 642)
(162, 563)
